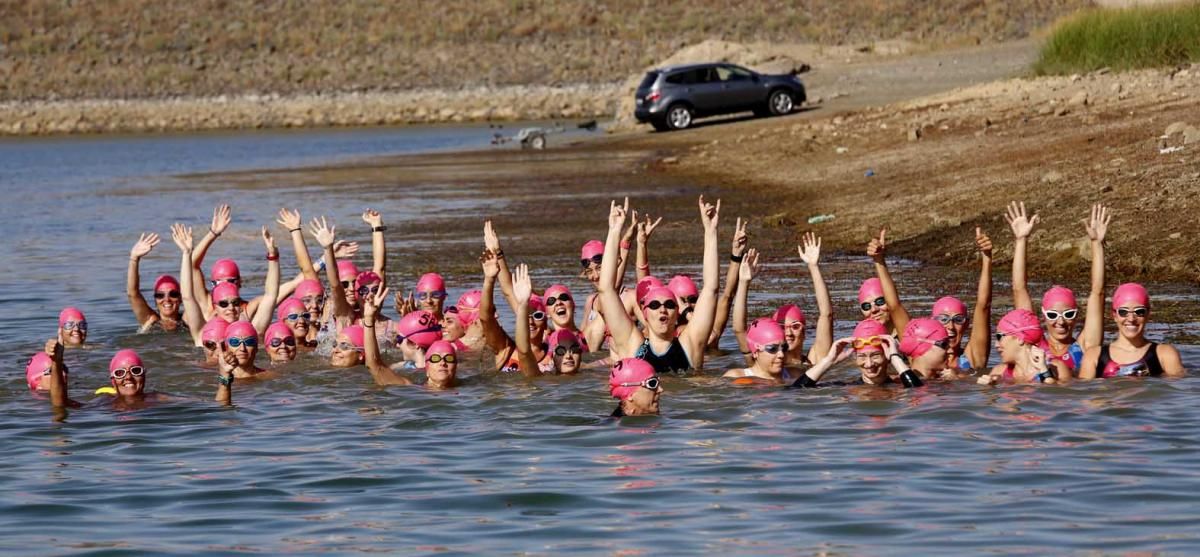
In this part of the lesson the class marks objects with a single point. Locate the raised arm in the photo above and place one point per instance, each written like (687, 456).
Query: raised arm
(810, 254)
(491, 242)
(1022, 227)
(725, 301)
(226, 362)
(493, 332)
(192, 314)
(980, 344)
(625, 337)
(522, 290)
(58, 383)
(644, 231)
(1093, 323)
(222, 216)
(695, 337)
(266, 308)
(141, 310)
(336, 300)
(380, 371)
(290, 221)
(747, 270)
(877, 249)
(378, 246)
(623, 264)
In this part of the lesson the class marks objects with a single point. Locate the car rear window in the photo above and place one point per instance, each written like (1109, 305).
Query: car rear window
(649, 80)
(689, 77)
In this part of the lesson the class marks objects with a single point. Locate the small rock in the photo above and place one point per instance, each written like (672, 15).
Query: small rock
(777, 220)
(986, 121)
(1074, 77)
(1174, 128)
(1103, 71)
(1191, 135)
(838, 120)
(944, 107)
(1052, 177)
(1062, 111)
(1106, 189)
(1080, 99)
(1045, 110)
(914, 134)
(842, 150)
(670, 160)
(1116, 88)
(1176, 236)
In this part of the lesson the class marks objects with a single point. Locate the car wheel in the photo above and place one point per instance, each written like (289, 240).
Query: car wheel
(679, 116)
(781, 102)
(538, 142)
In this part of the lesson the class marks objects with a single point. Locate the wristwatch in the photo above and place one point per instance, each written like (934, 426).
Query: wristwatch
(226, 381)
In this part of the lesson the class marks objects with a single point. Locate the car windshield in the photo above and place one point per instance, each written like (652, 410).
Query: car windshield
(649, 80)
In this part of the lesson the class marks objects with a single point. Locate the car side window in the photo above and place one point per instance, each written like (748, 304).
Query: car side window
(731, 73)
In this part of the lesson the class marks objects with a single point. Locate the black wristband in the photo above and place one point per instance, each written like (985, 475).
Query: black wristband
(911, 379)
(378, 229)
(226, 381)
(804, 382)
(1048, 374)
(290, 230)
(499, 254)
(735, 258)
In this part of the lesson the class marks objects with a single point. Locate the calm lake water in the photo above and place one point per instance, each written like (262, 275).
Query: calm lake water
(322, 461)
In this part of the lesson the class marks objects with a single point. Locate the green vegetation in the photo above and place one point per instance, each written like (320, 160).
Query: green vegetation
(156, 48)
(1122, 39)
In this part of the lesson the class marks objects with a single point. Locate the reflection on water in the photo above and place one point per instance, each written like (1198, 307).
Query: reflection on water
(321, 461)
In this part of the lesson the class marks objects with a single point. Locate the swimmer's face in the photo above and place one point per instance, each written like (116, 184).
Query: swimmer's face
(452, 327)
(73, 333)
(686, 306)
(872, 364)
(129, 385)
(954, 329)
(441, 372)
(562, 310)
(314, 304)
(431, 301)
(643, 401)
(537, 327)
(167, 300)
(244, 354)
(591, 272)
(568, 360)
(931, 363)
(43, 381)
(210, 352)
(793, 333)
(283, 352)
(1060, 329)
(1008, 347)
(660, 316)
(773, 363)
(344, 353)
(299, 326)
(878, 310)
(231, 308)
(1131, 326)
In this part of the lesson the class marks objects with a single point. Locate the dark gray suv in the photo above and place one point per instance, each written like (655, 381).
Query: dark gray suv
(672, 98)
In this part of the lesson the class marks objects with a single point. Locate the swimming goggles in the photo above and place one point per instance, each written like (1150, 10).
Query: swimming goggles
(436, 358)
(119, 373)
(574, 349)
(432, 295)
(313, 300)
(650, 383)
(691, 299)
(298, 316)
(860, 343)
(774, 348)
(80, 326)
(880, 301)
(1138, 311)
(1067, 314)
(655, 304)
(795, 326)
(231, 280)
(364, 290)
(594, 259)
(235, 342)
(276, 342)
(957, 319)
(943, 344)
(564, 297)
(538, 315)
(234, 302)
(173, 294)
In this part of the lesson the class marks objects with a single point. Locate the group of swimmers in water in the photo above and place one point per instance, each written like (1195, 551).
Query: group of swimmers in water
(638, 334)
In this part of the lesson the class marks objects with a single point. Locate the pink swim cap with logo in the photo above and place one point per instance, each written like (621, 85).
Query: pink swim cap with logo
(35, 370)
(1059, 294)
(919, 336)
(645, 285)
(870, 290)
(421, 327)
(1021, 324)
(762, 332)
(225, 269)
(949, 305)
(629, 370)
(1130, 293)
(70, 314)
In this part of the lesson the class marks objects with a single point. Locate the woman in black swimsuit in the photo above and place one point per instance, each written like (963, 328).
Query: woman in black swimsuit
(1131, 354)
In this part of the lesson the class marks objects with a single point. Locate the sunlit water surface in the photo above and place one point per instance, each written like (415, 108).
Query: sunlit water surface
(323, 461)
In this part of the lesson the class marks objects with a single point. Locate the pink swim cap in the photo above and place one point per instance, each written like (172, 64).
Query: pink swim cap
(309, 287)
(240, 329)
(469, 301)
(1058, 294)
(356, 335)
(555, 290)
(431, 282)
(536, 304)
(660, 293)
(789, 312)
(1022, 324)
(124, 359)
(365, 278)
(920, 334)
(225, 269)
(629, 370)
(683, 286)
(70, 314)
(277, 330)
(870, 290)
(644, 286)
(563, 336)
(225, 291)
(165, 280)
(866, 329)
(1130, 293)
(421, 327)
(442, 347)
(347, 270)
(591, 249)
(762, 332)
(949, 305)
(214, 330)
(36, 369)
(288, 306)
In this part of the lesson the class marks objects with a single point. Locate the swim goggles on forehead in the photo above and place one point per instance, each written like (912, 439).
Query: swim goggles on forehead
(655, 304)
(957, 319)
(81, 326)
(880, 301)
(1138, 311)
(594, 259)
(650, 383)
(1052, 315)
(563, 297)
(119, 373)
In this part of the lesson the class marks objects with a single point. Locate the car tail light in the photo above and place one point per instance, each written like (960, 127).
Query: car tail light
(653, 96)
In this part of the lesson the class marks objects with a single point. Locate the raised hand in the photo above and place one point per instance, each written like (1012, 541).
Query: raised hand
(810, 249)
(289, 220)
(143, 246)
(226, 360)
(54, 349)
(491, 265)
(889, 346)
(633, 225)
(222, 216)
(749, 267)
(842, 348)
(740, 238)
(323, 232)
(709, 214)
(522, 286)
(1037, 358)
(404, 306)
(877, 247)
(372, 218)
(372, 302)
(1097, 225)
(490, 240)
(982, 242)
(1022, 226)
(182, 236)
(268, 241)
(344, 250)
(616, 214)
